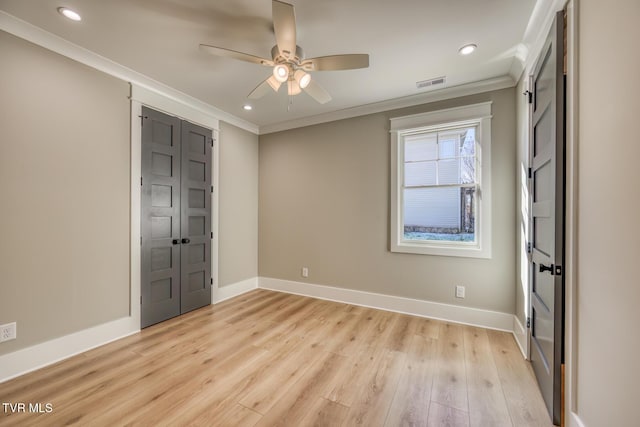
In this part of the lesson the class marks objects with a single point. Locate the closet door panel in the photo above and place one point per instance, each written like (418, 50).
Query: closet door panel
(160, 221)
(195, 217)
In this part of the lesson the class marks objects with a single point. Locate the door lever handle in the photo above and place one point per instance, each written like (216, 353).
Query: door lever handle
(185, 240)
(548, 268)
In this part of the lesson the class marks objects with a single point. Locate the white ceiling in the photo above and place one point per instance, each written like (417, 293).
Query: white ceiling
(407, 40)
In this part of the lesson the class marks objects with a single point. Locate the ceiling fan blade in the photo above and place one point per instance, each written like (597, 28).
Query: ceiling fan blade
(263, 88)
(336, 62)
(284, 25)
(317, 92)
(220, 51)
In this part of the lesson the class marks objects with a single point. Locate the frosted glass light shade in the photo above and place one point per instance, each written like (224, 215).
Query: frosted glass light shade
(281, 73)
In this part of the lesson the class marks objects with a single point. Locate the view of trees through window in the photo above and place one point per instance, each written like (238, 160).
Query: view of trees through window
(440, 184)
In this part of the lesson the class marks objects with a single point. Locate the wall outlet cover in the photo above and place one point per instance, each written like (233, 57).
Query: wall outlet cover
(8, 332)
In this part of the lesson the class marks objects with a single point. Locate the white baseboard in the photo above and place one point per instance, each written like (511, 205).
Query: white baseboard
(575, 421)
(47, 353)
(520, 334)
(38, 356)
(434, 310)
(235, 289)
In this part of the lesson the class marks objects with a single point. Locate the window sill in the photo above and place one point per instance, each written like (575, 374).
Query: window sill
(453, 250)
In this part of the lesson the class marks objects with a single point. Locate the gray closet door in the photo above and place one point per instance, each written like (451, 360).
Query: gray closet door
(176, 217)
(160, 222)
(196, 217)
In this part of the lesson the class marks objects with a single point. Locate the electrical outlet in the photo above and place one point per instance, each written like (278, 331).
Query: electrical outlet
(8, 332)
(305, 272)
(459, 291)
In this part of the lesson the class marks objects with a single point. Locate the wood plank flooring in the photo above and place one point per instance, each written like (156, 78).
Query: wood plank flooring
(272, 359)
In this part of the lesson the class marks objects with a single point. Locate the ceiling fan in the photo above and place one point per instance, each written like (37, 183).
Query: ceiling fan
(288, 61)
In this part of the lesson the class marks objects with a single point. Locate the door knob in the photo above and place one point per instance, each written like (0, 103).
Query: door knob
(185, 240)
(176, 241)
(548, 268)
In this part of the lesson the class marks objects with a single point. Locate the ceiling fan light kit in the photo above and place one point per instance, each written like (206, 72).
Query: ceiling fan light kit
(288, 61)
(302, 78)
(281, 73)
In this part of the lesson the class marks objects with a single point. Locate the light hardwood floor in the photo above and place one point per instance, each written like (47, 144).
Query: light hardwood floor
(268, 358)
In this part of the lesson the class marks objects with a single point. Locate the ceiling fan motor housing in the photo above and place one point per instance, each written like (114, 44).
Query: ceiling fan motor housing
(286, 57)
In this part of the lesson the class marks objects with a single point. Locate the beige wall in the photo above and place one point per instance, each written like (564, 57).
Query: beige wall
(64, 186)
(238, 251)
(608, 288)
(324, 204)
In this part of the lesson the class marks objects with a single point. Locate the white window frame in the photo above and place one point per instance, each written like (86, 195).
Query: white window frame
(474, 115)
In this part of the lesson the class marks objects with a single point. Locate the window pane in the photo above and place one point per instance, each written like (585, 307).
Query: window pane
(467, 170)
(448, 147)
(468, 147)
(448, 172)
(446, 214)
(420, 147)
(420, 173)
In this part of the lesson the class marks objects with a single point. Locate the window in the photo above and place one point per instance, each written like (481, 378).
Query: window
(440, 182)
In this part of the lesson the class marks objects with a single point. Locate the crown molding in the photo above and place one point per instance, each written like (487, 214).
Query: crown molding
(393, 104)
(54, 43)
(534, 36)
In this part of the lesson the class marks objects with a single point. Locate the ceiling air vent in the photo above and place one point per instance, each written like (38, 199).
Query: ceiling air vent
(433, 82)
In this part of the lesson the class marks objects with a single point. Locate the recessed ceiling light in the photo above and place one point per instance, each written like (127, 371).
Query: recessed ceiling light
(71, 14)
(467, 49)
(247, 107)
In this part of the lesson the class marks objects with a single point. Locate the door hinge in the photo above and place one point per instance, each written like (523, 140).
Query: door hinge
(140, 240)
(529, 96)
(528, 322)
(140, 181)
(142, 119)
(212, 280)
(529, 247)
(140, 299)
(530, 173)
(212, 234)
(212, 188)
(212, 142)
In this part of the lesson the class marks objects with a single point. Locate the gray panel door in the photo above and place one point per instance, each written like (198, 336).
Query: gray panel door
(196, 217)
(160, 222)
(547, 258)
(176, 217)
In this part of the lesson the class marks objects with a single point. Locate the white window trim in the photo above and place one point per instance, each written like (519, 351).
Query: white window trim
(476, 113)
